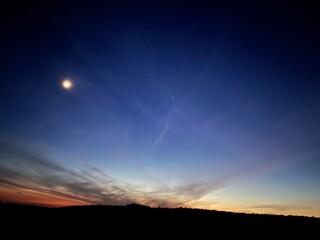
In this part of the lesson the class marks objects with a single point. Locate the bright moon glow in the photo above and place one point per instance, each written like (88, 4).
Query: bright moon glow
(67, 84)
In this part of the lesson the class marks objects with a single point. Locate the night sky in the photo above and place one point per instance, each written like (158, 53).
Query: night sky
(169, 104)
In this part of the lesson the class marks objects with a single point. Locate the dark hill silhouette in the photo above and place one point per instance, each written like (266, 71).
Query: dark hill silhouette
(141, 222)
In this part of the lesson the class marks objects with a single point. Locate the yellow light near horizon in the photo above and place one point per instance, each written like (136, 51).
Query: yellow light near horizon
(67, 84)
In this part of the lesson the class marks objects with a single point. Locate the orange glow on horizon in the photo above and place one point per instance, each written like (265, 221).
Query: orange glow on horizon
(32, 197)
(24, 196)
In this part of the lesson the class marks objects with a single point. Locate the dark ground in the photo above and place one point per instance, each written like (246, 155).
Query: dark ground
(136, 219)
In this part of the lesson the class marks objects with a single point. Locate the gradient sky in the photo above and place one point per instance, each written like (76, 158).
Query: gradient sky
(174, 104)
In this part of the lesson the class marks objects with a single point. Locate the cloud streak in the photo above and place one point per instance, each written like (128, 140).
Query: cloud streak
(168, 120)
(25, 170)
(279, 207)
(21, 169)
(162, 134)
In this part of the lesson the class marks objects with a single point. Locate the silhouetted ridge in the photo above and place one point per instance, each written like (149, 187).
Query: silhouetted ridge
(138, 206)
(144, 215)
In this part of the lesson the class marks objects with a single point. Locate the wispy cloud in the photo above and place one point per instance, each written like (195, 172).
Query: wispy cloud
(23, 169)
(167, 122)
(163, 133)
(280, 207)
(26, 170)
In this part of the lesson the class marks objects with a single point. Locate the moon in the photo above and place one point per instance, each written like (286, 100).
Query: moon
(67, 84)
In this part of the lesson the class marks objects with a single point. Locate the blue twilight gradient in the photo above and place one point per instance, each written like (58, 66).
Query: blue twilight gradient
(217, 103)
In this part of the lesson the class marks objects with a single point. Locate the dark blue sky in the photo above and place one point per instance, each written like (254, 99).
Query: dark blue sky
(174, 103)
